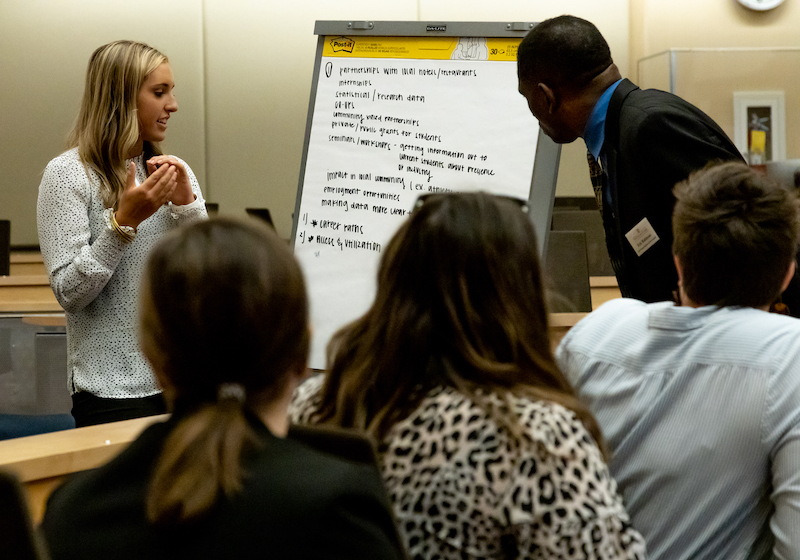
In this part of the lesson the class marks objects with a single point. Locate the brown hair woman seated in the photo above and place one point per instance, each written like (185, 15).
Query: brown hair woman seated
(485, 450)
(224, 324)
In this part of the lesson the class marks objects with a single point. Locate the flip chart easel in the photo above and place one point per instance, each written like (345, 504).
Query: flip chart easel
(400, 109)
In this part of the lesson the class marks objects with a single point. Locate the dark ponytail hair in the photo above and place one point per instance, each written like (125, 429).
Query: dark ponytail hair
(224, 306)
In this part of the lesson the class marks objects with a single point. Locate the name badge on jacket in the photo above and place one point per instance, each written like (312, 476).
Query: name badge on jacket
(642, 236)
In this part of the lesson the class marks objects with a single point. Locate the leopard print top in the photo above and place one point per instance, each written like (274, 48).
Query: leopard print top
(461, 492)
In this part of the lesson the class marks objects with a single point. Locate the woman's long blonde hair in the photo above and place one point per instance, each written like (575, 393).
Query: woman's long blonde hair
(107, 126)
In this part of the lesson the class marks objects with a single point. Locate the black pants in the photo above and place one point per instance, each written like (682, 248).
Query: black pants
(88, 409)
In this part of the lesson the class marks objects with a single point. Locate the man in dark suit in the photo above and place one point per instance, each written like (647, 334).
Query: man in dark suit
(640, 144)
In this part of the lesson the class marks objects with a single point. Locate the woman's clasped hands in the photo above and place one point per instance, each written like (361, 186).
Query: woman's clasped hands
(183, 193)
(168, 182)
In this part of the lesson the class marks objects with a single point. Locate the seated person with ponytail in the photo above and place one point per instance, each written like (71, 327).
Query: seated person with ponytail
(224, 477)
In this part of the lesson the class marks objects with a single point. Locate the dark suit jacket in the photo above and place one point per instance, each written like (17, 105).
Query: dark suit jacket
(653, 140)
(298, 502)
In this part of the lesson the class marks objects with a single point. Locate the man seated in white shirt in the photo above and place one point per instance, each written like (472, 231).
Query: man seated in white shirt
(700, 402)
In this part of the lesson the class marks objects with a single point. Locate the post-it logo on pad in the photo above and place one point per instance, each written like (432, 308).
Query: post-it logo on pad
(340, 44)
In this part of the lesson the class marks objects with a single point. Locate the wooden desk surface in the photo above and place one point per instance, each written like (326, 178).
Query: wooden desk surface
(42, 462)
(24, 257)
(27, 288)
(27, 293)
(25, 280)
(45, 319)
(562, 320)
(30, 301)
(68, 451)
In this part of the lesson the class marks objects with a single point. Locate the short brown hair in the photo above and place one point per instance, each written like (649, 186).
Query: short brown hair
(735, 232)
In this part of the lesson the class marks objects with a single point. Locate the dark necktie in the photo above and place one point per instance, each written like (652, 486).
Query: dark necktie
(598, 179)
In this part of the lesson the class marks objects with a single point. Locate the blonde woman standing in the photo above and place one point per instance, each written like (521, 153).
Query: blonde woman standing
(102, 206)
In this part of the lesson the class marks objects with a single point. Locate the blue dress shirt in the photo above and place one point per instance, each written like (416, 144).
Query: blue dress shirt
(594, 135)
(595, 132)
(701, 412)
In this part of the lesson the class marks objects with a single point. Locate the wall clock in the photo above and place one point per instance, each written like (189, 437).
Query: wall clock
(761, 5)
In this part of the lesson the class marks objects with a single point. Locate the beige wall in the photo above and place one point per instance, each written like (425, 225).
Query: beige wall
(708, 79)
(243, 70)
(658, 26)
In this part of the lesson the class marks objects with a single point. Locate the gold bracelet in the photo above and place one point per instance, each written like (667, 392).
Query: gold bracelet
(126, 233)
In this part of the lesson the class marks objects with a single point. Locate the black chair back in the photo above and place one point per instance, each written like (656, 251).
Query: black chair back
(261, 213)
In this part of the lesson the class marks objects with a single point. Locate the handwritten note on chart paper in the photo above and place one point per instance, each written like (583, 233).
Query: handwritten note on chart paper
(393, 118)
